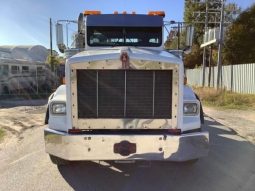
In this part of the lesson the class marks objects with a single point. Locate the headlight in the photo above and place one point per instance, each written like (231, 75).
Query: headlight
(58, 108)
(190, 108)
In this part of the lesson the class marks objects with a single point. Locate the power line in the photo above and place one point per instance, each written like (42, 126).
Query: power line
(220, 9)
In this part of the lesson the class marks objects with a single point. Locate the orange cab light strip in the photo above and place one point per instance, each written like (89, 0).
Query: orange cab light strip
(157, 13)
(92, 12)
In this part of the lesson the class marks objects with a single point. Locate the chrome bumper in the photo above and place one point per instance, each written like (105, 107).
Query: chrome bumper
(148, 147)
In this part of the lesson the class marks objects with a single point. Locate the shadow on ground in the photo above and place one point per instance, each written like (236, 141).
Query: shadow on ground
(229, 166)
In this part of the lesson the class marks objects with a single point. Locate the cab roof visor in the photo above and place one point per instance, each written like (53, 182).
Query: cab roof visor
(126, 20)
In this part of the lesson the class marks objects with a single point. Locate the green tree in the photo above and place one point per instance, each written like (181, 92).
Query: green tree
(54, 60)
(193, 59)
(239, 39)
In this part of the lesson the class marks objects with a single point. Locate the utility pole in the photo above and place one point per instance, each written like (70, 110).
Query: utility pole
(67, 34)
(210, 67)
(51, 53)
(219, 74)
(204, 51)
(178, 43)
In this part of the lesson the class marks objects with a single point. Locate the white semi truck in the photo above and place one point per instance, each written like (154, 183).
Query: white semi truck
(124, 97)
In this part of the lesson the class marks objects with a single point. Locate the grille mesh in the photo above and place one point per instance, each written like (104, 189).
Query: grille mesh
(124, 94)
(87, 91)
(139, 94)
(163, 94)
(111, 93)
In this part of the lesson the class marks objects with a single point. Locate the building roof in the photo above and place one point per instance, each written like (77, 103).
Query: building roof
(31, 53)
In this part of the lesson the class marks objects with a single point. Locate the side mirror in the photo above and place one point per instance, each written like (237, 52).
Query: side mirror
(60, 39)
(189, 36)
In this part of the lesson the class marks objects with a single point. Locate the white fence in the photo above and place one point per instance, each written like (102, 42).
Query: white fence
(236, 78)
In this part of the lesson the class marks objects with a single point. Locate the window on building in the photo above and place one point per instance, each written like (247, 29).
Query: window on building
(25, 69)
(14, 69)
(4, 70)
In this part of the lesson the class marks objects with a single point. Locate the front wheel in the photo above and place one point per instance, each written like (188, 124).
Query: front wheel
(58, 161)
(46, 120)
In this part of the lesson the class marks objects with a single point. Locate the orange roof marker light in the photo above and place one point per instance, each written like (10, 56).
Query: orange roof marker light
(92, 12)
(157, 13)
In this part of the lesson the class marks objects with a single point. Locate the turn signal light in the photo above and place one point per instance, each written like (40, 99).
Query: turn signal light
(92, 12)
(157, 13)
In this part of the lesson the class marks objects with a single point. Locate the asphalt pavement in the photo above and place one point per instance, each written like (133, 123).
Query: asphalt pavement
(230, 166)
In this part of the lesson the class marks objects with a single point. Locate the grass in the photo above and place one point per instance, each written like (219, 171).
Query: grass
(225, 99)
(2, 134)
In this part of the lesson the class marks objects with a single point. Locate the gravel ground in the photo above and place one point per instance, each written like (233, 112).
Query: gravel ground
(241, 121)
(17, 116)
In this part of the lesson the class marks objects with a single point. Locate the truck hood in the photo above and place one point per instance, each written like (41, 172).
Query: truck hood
(133, 52)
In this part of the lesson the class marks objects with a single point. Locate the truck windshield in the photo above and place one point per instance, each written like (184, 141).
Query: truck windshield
(124, 36)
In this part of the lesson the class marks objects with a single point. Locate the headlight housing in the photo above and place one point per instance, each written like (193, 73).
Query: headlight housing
(58, 108)
(191, 108)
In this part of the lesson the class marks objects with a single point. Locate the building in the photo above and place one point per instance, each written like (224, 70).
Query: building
(22, 67)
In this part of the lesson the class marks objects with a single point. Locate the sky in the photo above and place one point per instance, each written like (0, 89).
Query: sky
(26, 22)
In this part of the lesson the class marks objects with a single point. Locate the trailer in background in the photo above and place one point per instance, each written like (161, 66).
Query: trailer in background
(20, 75)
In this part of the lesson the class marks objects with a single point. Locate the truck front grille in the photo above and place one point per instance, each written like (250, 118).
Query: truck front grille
(145, 94)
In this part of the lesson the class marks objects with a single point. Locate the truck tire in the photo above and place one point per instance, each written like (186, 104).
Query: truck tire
(58, 161)
(202, 120)
(46, 120)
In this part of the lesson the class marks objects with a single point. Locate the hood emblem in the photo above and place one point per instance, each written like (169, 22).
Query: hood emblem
(125, 60)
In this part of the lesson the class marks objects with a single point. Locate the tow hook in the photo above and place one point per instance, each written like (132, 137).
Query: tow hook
(124, 148)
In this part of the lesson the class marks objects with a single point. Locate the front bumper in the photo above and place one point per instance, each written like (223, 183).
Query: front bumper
(148, 147)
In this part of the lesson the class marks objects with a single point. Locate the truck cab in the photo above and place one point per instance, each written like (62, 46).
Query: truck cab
(124, 97)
